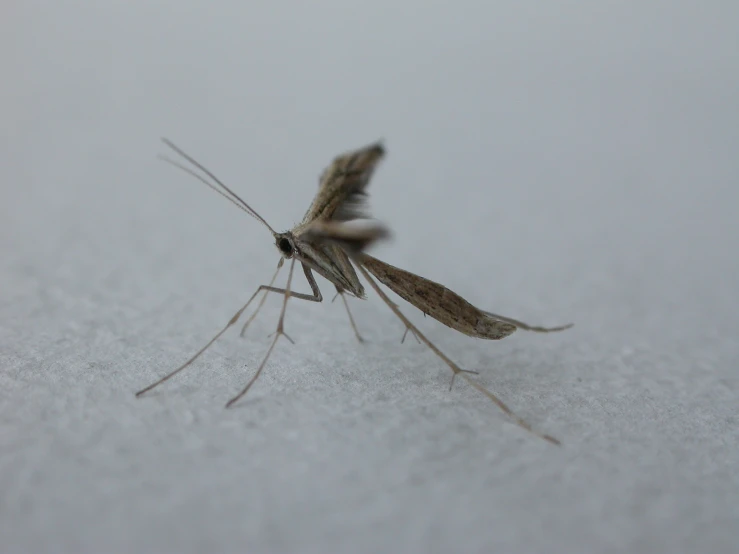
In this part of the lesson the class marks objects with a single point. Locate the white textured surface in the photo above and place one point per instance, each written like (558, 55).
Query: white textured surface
(553, 161)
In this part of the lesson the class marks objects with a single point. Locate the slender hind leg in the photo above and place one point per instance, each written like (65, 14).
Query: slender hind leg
(454, 367)
(315, 297)
(340, 292)
(405, 334)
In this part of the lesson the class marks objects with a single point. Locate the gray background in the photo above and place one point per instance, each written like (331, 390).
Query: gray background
(553, 161)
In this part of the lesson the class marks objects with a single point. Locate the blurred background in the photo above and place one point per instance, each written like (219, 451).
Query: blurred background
(552, 161)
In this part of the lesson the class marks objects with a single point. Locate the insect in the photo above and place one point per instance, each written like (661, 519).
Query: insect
(330, 242)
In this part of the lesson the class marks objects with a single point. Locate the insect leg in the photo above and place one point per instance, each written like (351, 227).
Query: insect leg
(316, 297)
(280, 327)
(340, 292)
(405, 334)
(454, 367)
(261, 302)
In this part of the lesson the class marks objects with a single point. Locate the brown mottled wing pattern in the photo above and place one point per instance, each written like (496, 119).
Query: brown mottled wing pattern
(438, 301)
(341, 192)
(342, 186)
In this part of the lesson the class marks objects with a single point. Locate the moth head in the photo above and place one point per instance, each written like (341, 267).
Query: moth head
(285, 244)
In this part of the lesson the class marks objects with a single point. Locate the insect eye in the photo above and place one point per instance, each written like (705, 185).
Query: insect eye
(285, 247)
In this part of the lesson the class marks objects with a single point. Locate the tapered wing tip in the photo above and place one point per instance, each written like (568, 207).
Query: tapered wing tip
(547, 329)
(377, 149)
